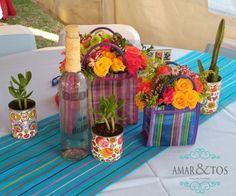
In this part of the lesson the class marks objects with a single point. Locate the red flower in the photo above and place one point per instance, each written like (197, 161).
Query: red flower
(199, 86)
(134, 58)
(106, 47)
(120, 140)
(144, 61)
(163, 70)
(144, 86)
(167, 96)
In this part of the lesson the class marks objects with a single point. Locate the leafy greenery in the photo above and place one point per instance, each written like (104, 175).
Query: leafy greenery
(108, 111)
(212, 75)
(18, 90)
(30, 15)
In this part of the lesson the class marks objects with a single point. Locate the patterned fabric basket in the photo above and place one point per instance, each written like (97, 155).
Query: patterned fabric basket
(122, 85)
(166, 126)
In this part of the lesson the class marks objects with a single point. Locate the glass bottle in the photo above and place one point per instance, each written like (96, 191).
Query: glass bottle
(73, 100)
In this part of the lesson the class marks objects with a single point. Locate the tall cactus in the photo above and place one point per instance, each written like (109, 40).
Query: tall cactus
(214, 69)
(218, 41)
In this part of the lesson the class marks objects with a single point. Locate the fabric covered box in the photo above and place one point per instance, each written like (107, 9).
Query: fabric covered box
(123, 86)
(165, 126)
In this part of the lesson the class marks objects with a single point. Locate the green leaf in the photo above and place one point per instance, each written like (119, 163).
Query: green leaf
(21, 79)
(15, 81)
(28, 77)
(27, 96)
(200, 66)
(12, 91)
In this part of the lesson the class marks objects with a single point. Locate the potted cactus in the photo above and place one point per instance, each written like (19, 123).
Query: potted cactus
(211, 76)
(107, 135)
(22, 110)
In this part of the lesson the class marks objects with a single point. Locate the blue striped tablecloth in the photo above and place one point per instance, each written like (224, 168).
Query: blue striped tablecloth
(35, 167)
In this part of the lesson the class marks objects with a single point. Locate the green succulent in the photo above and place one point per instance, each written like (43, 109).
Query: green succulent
(212, 75)
(18, 90)
(108, 111)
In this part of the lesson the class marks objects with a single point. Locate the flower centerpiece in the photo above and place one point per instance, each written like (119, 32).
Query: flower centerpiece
(109, 54)
(111, 64)
(170, 96)
(180, 94)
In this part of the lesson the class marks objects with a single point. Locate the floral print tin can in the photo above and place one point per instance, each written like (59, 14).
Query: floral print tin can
(210, 103)
(107, 149)
(23, 123)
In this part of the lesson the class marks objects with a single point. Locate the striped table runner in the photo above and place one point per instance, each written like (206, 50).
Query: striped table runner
(35, 167)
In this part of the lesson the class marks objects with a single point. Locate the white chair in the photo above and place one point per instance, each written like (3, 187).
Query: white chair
(15, 39)
(126, 31)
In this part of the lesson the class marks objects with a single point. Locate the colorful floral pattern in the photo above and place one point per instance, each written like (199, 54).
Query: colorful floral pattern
(23, 123)
(107, 149)
(210, 103)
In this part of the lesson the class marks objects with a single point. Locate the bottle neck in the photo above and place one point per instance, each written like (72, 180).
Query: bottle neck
(72, 45)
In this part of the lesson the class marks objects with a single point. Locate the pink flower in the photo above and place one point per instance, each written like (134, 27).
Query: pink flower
(163, 70)
(167, 96)
(106, 48)
(135, 59)
(199, 86)
(120, 140)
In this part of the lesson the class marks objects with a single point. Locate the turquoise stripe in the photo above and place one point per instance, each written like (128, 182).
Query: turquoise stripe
(122, 172)
(23, 146)
(75, 174)
(71, 168)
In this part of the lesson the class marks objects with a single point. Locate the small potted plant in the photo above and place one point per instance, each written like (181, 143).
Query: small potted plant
(212, 77)
(22, 111)
(107, 135)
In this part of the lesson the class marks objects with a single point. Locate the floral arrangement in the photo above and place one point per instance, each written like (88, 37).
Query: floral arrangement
(105, 60)
(179, 94)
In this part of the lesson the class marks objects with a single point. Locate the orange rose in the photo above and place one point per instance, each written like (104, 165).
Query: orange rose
(183, 85)
(192, 98)
(179, 100)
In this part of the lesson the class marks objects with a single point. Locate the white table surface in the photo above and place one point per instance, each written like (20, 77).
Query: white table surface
(156, 177)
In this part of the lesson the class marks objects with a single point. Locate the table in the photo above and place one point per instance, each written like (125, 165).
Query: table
(166, 174)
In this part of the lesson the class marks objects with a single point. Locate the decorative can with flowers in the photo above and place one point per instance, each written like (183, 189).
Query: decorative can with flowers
(111, 65)
(171, 99)
(107, 149)
(107, 134)
(211, 101)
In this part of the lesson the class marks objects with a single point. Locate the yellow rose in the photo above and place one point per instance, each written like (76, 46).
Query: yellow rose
(117, 65)
(109, 55)
(179, 100)
(102, 66)
(192, 98)
(183, 85)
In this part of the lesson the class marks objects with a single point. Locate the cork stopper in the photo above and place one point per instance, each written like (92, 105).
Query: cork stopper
(72, 31)
(72, 45)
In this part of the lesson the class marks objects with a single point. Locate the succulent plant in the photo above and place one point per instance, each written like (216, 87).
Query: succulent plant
(18, 90)
(108, 111)
(213, 73)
